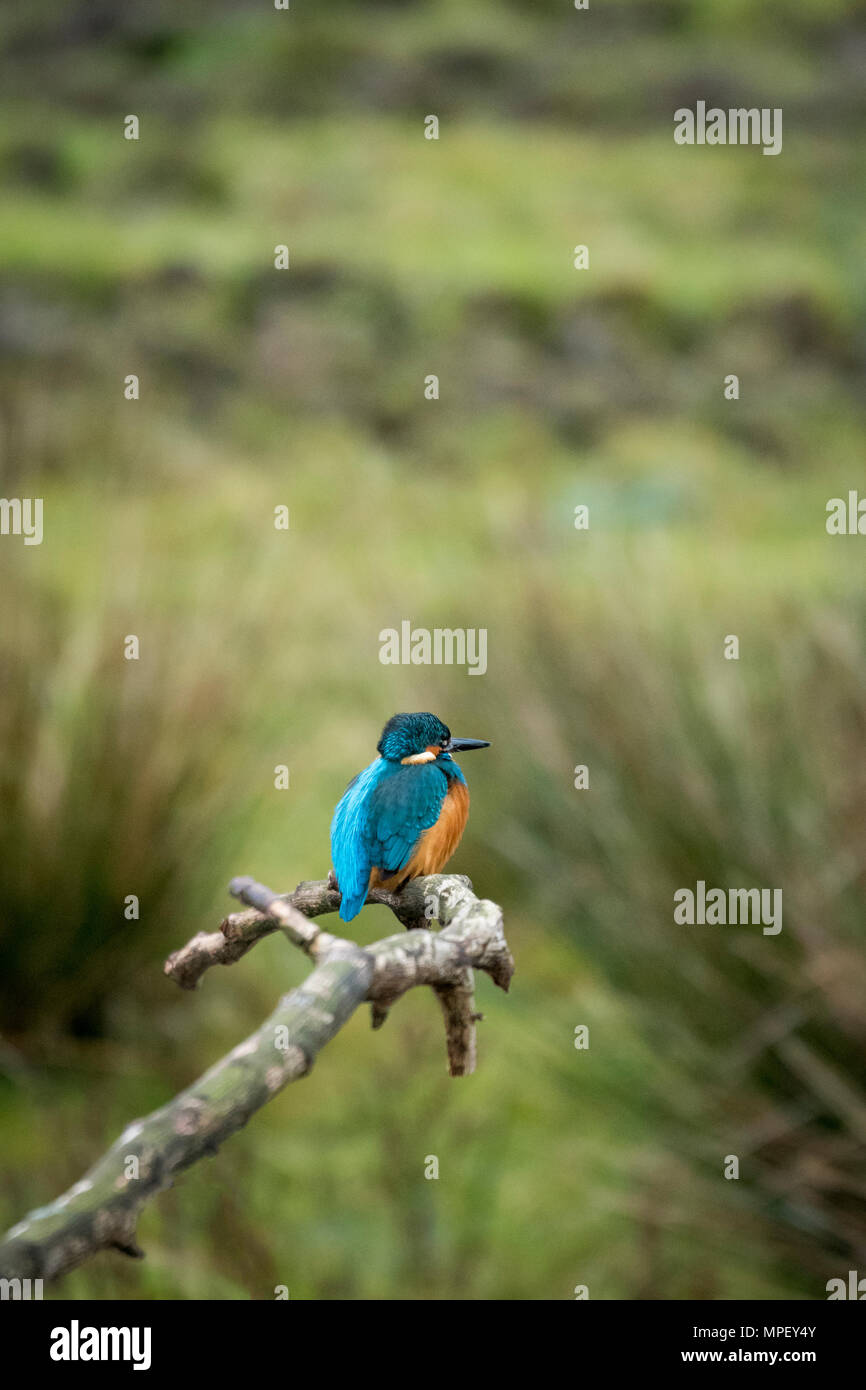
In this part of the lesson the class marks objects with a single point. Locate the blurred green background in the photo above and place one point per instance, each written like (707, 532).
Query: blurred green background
(408, 257)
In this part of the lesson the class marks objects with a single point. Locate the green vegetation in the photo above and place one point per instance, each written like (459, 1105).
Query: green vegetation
(305, 387)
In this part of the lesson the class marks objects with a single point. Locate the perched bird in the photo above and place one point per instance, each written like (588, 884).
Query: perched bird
(403, 816)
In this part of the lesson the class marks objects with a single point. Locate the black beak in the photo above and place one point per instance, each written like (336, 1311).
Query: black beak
(463, 745)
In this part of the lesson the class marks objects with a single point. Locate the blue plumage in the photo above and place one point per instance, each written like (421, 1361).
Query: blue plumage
(386, 810)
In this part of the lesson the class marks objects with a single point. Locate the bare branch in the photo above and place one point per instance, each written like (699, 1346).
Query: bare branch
(101, 1211)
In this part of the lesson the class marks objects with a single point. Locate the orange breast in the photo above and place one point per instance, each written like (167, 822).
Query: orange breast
(437, 844)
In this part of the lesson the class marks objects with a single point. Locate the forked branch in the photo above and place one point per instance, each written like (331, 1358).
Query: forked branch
(101, 1210)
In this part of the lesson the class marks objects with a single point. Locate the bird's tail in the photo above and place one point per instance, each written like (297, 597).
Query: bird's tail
(351, 904)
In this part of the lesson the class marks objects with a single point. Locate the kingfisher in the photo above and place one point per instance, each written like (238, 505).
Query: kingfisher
(403, 816)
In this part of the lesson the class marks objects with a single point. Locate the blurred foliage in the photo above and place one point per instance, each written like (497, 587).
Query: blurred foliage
(258, 127)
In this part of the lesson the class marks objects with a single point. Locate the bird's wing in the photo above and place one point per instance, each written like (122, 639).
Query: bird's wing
(349, 850)
(401, 807)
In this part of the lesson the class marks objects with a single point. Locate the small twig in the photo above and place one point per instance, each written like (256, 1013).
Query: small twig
(241, 930)
(458, 1009)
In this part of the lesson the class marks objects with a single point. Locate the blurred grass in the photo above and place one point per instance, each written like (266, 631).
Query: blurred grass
(557, 1167)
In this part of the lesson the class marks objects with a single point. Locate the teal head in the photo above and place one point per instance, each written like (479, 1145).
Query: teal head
(421, 738)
